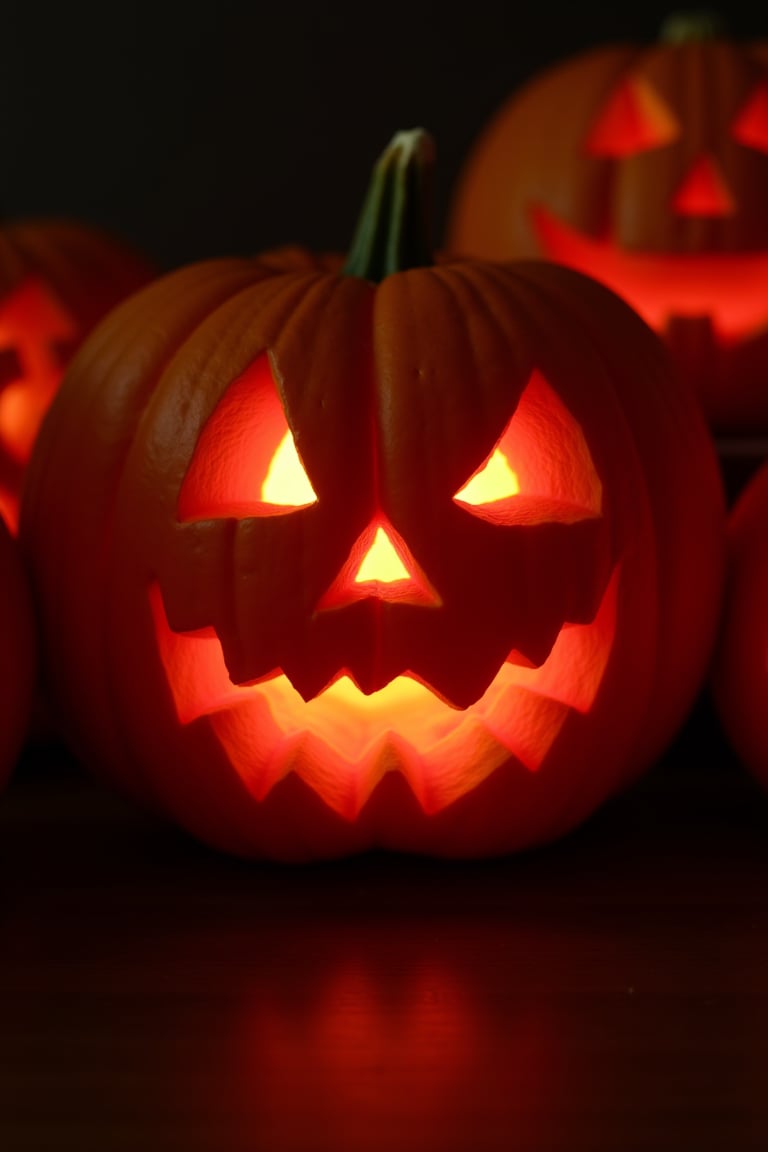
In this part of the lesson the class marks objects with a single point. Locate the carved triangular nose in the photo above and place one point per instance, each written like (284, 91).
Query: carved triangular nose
(704, 191)
(380, 566)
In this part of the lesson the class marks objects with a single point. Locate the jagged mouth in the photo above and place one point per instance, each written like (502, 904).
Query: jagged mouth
(342, 742)
(728, 289)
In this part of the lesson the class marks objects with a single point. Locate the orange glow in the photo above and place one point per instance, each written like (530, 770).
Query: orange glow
(704, 191)
(380, 564)
(375, 1043)
(552, 461)
(342, 742)
(494, 481)
(286, 482)
(33, 325)
(751, 125)
(34, 329)
(245, 462)
(18, 421)
(729, 289)
(634, 119)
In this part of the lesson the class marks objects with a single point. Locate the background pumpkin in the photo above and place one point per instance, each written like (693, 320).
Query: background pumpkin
(395, 653)
(18, 653)
(645, 166)
(58, 277)
(739, 675)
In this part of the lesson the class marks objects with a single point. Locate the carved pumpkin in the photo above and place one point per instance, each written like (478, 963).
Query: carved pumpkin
(412, 554)
(739, 675)
(18, 653)
(57, 278)
(646, 167)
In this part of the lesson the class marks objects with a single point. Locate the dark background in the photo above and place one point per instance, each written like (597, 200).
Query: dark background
(220, 129)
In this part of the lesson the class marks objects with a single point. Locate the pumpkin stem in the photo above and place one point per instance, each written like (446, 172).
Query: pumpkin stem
(699, 24)
(394, 228)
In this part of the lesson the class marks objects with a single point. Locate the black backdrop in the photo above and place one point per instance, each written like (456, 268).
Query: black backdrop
(222, 128)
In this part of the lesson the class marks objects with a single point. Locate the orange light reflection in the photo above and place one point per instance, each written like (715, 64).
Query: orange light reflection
(286, 482)
(342, 742)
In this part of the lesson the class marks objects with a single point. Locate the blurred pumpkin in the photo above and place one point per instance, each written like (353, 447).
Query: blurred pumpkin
(18, 653)
(57, 278)
(645, 166)
(739, 675)
(402, 553)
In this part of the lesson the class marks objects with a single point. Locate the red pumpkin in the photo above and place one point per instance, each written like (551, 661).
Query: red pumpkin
(739, 675)
(645, 166)
(425, 556)
(18, 653)
(57, 278)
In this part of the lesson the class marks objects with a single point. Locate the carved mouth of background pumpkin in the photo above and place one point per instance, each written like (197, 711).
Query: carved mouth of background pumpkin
(729, 289)
(268, 730)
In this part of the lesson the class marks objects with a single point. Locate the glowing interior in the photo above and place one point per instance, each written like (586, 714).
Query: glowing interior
(496, 480)
(380, 564)
(246, 462)
(342, 742)
(381, 561)
(34, 327)
(286, 482)
(704, 191)
(727, 288)
(751, 125)
(634, 119)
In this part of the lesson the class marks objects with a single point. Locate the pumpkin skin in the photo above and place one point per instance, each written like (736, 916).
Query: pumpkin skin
(236, 657)
(645, 166)
(739, 673)
(18, 653)
(58, 277)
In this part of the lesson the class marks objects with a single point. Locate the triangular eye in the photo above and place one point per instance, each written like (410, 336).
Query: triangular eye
(495, 480)
(635, 119)
(751, 124)
(245, 462)
(539, 468)
(491, 489)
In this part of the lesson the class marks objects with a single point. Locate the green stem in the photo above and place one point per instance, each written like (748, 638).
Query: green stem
(394, 228)
(699, 24)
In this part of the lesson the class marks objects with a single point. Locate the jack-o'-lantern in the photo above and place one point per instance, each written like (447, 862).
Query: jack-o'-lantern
(647, 168)
(411, 553)
(57, 279)
(739, 673)
(18, 653)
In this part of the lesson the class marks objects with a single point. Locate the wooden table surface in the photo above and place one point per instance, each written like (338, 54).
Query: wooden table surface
(608, 992)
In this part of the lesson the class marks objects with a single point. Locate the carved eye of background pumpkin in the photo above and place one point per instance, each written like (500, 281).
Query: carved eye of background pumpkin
(750, 126)
(35, 336)
(634, 119)
(57, 279)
